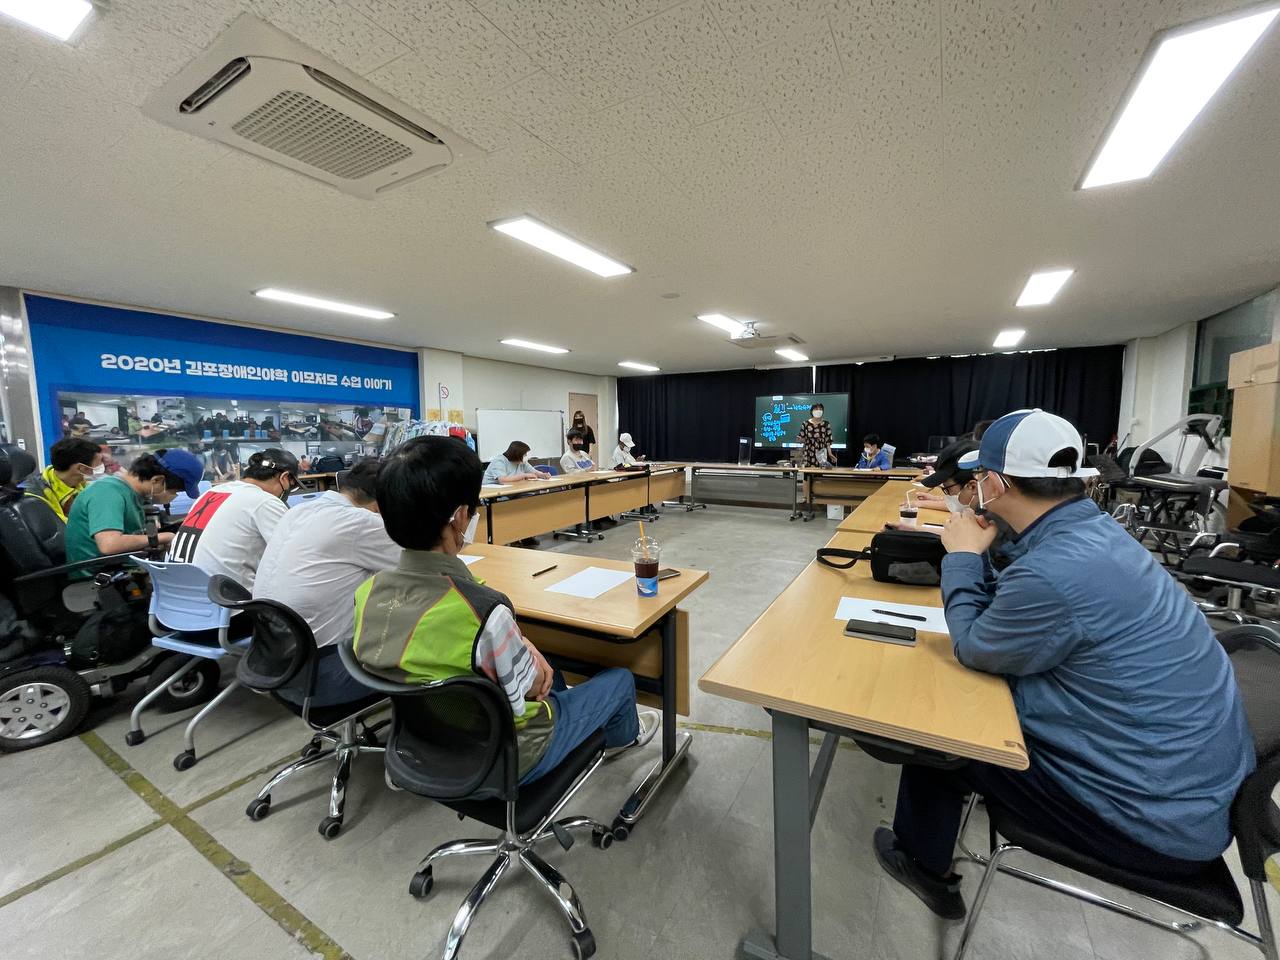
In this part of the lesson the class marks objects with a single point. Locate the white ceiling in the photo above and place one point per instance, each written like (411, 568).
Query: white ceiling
(877, 176)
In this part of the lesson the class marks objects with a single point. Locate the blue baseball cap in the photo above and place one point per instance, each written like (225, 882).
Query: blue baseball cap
(1021, 444)
(185, 465)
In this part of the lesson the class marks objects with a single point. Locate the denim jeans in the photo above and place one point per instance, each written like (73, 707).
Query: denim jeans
(606, 701)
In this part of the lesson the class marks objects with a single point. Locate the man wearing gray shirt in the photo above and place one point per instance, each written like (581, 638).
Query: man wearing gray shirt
(319, 552)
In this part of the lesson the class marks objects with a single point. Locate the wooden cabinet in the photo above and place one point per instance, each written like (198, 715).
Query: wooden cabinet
(1254, 379)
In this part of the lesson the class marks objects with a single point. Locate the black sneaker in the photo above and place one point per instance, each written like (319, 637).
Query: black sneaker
(940, 895)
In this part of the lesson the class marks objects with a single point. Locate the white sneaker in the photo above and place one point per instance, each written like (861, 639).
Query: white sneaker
(650, 721)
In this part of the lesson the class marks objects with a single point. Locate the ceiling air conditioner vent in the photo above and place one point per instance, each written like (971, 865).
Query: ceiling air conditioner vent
(261, 91)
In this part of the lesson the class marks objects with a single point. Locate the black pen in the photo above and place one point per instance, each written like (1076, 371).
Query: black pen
(554, 565)
(904, 616)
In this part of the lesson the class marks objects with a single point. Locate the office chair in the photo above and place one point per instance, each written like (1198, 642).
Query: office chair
(1211, 897)
(179, 608)
(281, 652)
(454, 742)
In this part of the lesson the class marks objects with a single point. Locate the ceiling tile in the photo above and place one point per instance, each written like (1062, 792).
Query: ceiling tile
(336, 29)
(455, 38)
(537, 26)
(706, 91)
(875, 36)
(684, 34)
(748, 24)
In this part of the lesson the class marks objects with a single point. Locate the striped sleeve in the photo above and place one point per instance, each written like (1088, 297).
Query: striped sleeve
(503, 657)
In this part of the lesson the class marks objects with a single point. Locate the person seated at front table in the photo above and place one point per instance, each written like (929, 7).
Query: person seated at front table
(316, 557)
(512, 466)
(576, 459)
(429, 619)
(227, 528)
(1135, 732)
(108, 518)
(873, 455)
(73, 462)
(622, 457)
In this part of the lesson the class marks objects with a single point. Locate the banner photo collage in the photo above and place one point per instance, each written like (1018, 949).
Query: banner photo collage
(136, 381)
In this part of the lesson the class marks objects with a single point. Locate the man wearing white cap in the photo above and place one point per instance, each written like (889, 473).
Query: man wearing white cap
(622, 455)
(1135, 733)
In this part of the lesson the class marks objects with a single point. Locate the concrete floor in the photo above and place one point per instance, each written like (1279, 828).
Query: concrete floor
(108, 852)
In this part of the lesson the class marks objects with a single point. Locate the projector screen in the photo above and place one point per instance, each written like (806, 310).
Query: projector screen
(778, 419)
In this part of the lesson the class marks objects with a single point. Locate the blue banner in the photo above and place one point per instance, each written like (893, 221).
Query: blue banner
(85, 348)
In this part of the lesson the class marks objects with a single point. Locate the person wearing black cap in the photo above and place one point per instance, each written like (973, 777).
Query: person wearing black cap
(227, 529)
(1135, 732)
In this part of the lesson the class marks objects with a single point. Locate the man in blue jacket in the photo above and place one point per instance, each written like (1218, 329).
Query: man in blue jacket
(1134, 728)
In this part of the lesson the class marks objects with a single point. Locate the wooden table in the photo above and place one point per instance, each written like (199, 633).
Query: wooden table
(796, 662)
(647, 635)
(743, 468)
(846, 485)
(666, 483)
(881, 507)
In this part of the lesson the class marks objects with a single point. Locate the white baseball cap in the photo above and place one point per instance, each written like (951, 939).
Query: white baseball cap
(1021, 444)
(626, 441)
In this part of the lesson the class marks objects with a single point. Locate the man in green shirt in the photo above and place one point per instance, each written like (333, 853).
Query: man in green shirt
(107, 517)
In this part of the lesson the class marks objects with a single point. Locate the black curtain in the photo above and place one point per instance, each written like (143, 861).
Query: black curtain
(907, 401)
(699, 416)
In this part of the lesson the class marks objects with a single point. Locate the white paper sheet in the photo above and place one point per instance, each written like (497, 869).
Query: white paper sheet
(591, 582)
(469, 558)
(491, 487)
(855, 608)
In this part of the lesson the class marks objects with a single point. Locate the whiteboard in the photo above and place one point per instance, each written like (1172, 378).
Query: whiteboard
(543, 430)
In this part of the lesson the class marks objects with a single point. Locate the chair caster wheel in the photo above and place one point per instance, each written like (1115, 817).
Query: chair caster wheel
(258, 808)
(584, 945)
(621, 830)
(185, 760)
(330, 827)
(420, 883)
(310, 750)
(602, 839)
(134, 737)
(792, 519)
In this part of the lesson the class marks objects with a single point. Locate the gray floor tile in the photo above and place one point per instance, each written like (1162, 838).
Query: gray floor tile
(154, 899)
(60, 803)
(245, 732)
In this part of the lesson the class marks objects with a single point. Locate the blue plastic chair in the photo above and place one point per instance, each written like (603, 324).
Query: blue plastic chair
(180, 606)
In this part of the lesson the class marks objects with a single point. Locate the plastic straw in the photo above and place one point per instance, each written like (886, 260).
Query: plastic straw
(644, 541)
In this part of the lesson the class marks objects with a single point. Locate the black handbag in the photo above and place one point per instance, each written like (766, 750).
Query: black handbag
(910, 557)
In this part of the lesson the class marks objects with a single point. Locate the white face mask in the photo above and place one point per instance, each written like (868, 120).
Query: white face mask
(953, 502)
(99, 470)
(469, 535)
(866, 452)
(981, 508)
(817, 414)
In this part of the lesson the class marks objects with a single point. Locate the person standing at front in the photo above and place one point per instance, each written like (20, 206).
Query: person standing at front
(815, 440)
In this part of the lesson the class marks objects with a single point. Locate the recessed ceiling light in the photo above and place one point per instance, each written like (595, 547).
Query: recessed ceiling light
(1008, 338)
(58, 18)
(727, 324)
(635, 365)
(1179, 78)
(795, 356)
(319, 303)
(530, 345)
(1042, 287)
(558, 245)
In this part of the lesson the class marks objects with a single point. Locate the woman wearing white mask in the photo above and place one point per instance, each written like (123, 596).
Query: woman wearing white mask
(815, 440)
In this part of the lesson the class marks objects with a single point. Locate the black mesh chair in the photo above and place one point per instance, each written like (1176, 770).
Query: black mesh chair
(282, 655)
(454, 742)
(1211, 897)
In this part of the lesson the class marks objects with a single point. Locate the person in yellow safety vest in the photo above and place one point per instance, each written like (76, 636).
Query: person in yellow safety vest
(73, 462)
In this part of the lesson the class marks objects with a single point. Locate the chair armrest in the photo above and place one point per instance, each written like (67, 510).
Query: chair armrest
(108, 559)
(1259, 634)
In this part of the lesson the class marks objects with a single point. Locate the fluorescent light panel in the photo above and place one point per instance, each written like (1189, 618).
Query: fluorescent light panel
(795, 356)
(58, 18)
(727, 324)
(530, 345)
(319, 303)
(1181, 77)
(636, 365)
(1042, 287)
(1008, 338)
(558, 245)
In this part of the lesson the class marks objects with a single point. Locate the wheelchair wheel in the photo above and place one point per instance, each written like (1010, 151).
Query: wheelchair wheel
(199, 685)
(39, 706)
